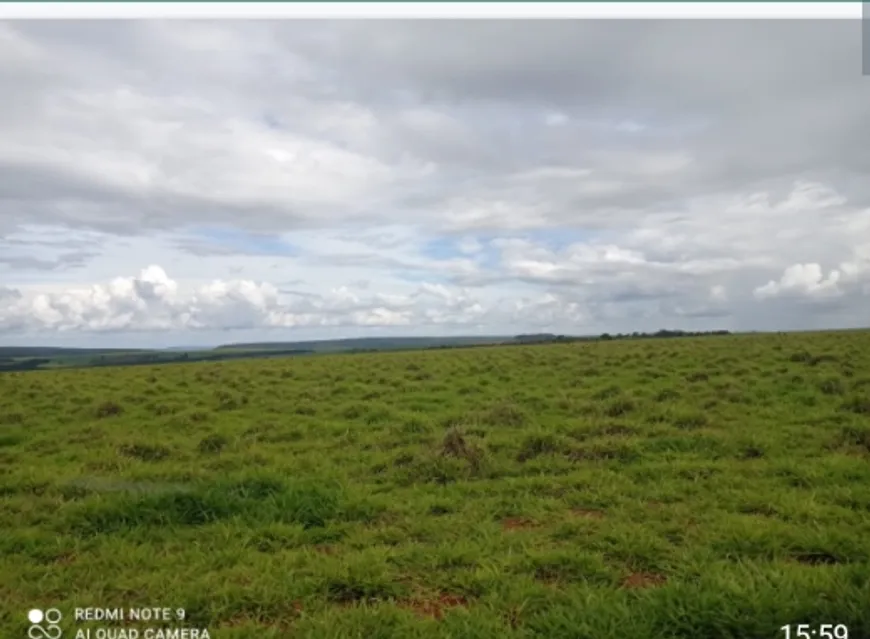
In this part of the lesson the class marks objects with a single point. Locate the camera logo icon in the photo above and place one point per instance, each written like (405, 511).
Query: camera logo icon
(44, 624)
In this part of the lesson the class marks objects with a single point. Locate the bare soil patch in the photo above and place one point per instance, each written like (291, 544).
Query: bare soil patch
(643, 580)
(517, 523)
(434, 607)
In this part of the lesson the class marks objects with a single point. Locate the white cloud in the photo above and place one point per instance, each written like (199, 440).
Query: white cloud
(718, 293)
(809, 281)
(556, 119)
(802, 279)
(152, 301)
(323, 177)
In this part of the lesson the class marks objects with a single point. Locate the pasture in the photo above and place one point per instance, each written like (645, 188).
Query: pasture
(634, 489)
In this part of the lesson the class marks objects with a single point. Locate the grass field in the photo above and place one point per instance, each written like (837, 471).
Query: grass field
(711, 487)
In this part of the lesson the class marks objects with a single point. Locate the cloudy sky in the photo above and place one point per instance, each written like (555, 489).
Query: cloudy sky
(183, 183)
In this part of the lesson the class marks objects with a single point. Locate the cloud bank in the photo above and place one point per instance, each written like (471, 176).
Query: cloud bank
(202, 182)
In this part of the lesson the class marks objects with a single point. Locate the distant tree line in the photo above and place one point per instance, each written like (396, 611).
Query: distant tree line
(536, 338)
(551, 338)
(138, 359)
(22, 364)
(662, 333)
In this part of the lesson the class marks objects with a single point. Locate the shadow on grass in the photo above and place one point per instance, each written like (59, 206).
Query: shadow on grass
(261, 500)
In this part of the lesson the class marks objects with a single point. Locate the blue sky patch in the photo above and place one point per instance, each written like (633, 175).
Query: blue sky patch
(442, 248)
(237, 240)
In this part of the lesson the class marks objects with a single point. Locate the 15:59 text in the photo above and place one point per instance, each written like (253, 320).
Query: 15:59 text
(822, 631)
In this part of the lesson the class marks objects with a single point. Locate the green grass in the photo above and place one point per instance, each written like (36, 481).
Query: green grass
(709, 487)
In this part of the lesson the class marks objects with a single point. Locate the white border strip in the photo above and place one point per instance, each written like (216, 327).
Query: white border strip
(228, 10)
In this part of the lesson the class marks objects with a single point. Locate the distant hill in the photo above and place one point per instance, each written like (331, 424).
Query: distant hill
(21, 358)
(51, 351)
(31, 358)
(365, 343)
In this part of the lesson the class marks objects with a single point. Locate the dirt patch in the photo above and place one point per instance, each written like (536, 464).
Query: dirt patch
(65, 559)
(517, 523)
(436, 606)
(643, 580)
(587, 513)
(234, 622)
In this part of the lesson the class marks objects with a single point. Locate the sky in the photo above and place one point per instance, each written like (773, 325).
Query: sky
(167, 183)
